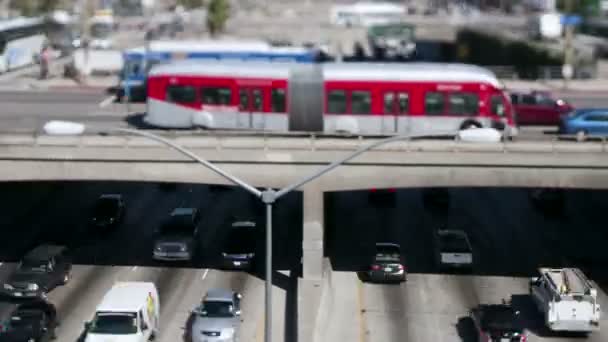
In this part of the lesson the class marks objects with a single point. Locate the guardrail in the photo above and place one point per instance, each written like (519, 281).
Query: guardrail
(302, 142)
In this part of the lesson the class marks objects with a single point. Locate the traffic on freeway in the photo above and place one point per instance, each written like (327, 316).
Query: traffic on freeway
(42, 217)
(509, 234)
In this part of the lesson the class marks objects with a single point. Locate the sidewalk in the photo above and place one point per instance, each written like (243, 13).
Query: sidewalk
(593, 87)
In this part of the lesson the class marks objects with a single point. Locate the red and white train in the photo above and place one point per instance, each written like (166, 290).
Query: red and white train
(358, 98)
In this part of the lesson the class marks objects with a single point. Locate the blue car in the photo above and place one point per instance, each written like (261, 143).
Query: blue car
(585, 122)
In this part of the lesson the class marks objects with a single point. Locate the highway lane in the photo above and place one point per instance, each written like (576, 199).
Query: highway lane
(28, 111)
(62, 215)
(510, 239)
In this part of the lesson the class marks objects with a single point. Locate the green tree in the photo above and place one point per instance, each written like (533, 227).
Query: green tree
(34, 7)
(218, 12)
(189, 4)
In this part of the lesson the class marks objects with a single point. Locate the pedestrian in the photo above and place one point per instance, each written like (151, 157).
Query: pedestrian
(44, 62)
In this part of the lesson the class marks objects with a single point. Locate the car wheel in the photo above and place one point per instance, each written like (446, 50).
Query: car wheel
(470, 124)
(581, 136)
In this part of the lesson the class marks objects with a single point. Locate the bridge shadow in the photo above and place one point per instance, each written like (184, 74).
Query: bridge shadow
(510, 235)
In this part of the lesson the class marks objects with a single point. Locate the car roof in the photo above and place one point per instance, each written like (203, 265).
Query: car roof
(219, 295)
(387, 244)
(499, 316)
(183, 211)
(43, 252)
(243, 224)
(110, 196)
(126, 297)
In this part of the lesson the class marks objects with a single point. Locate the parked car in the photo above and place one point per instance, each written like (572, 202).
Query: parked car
(217, 317)
(388, 263)
(109, 211)
(585, 122)
(177, 237)
(539, 108)
(40, 271)
(498, 322)
(239, 247)
(24, 320)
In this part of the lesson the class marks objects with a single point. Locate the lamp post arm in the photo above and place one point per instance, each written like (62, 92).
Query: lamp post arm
(193, 156)
(354, 154)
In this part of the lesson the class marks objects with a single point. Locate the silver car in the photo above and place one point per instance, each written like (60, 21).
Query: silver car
(217, 318)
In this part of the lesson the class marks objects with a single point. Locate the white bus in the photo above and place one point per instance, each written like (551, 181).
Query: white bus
(366, 14)
(21, 41)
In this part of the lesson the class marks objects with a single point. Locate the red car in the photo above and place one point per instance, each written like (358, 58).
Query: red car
(538, 108)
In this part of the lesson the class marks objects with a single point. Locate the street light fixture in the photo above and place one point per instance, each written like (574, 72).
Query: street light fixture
(270, 196)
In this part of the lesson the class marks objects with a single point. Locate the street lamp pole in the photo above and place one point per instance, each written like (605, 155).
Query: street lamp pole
(268, 196)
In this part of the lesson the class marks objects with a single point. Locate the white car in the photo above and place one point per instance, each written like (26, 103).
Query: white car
(454, 249)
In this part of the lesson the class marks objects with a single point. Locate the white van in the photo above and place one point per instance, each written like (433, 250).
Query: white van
(129, 312)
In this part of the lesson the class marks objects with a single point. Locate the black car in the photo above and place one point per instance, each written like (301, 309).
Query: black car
(436, 198)
(548, 200)
(498, 322)
(239, 248)
(109, 211)
(178, 236)
(40, 271)
(388, 264)
(24, 320)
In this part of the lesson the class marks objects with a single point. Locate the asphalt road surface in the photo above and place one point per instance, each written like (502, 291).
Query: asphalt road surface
(29, 111)
(510, 239)
(34, 213)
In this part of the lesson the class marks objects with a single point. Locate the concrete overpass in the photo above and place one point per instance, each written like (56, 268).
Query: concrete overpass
(280, 160)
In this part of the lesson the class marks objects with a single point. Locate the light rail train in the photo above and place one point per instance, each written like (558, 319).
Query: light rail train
(356, 98)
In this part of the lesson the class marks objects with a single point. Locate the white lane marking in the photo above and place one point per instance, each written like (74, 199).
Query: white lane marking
(107, 101)
(205, 274)
(134, 268)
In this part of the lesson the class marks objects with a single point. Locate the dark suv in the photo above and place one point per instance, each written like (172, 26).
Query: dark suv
(239, 248)
(40, 271)
(498, 322)
(109, 211)
(27, 320)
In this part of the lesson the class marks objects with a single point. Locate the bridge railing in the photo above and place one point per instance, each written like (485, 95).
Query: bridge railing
(266, 141)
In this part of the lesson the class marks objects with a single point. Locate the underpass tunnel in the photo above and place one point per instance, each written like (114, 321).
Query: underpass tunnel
(35, 213)
(512, 231)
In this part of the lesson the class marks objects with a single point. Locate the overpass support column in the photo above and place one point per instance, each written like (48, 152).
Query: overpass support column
(311, 286)
(312, 236)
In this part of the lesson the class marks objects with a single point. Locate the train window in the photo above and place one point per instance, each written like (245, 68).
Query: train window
(336, 102)
(181, 94)
(360, 102)
(389, 101)
(497, 106)
(278, 101)
(257, 99)
(434, 103)
(464, 103)
(243, 99)
(216, 95)
(403, 103)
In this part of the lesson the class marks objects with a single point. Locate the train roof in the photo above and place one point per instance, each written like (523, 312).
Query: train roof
(417, 71)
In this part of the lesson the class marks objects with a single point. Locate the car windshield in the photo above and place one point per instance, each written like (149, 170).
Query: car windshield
(453, 243)
(38, 266)
(240, 241)
(114, 324)
(388, 253)
(216, 309)
(106, 207)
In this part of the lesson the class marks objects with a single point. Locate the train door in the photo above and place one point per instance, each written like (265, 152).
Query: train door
(396, 108)
(251, 107)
